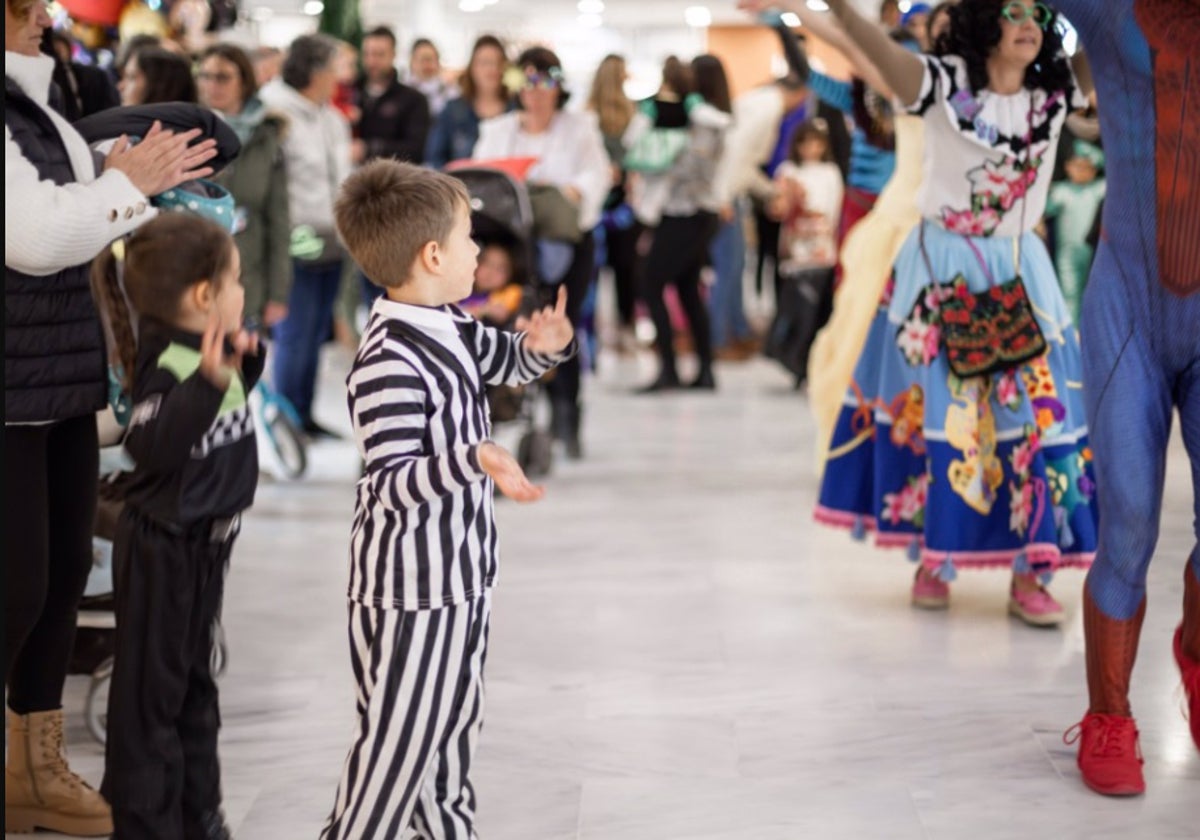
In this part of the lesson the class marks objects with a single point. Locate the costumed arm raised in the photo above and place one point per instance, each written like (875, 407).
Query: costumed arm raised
(826, 28)
(902, 71)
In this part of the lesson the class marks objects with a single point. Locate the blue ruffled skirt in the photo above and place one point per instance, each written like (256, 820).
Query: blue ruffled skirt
(984, 471)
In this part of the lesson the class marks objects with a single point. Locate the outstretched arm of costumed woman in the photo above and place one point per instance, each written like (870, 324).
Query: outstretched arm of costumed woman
(1082, 68)
(902, 71)
(827, 29)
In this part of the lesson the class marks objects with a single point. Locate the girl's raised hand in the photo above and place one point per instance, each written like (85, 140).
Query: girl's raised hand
(548, 330)
(213, 365)
(244, 343)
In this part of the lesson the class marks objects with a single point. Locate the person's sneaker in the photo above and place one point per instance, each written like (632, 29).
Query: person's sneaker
(1110, 758)
(930, 592)
(1035, 607)
(1189, 669)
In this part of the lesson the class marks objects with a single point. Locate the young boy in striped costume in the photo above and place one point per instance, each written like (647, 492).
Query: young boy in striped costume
(423, 550)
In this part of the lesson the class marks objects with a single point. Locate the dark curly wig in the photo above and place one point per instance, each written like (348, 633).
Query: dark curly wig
(975, 31)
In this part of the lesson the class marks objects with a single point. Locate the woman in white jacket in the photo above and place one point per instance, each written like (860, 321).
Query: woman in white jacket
(60, 210)
(570, 156)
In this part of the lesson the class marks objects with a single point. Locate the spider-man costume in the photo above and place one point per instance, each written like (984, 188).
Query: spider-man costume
(1140, 328)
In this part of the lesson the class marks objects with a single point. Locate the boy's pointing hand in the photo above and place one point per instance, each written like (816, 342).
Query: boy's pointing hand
(548, 330)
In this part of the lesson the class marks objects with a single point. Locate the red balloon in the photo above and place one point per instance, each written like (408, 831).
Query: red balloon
(103, 12)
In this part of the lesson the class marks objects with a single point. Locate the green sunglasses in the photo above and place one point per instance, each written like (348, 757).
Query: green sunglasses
(1017, 13)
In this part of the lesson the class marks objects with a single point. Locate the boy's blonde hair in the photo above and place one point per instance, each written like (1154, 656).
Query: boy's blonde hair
(387, 211)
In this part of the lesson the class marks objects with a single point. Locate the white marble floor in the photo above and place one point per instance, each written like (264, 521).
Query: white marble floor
(679, 653)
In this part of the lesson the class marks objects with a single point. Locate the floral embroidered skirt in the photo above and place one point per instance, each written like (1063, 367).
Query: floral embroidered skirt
(985, 471)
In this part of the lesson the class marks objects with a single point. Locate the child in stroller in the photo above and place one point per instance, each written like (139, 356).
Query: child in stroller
(497, 297)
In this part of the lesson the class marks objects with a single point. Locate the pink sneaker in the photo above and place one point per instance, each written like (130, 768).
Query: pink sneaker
(1035, 607)
(929, 592)
(1190, 671)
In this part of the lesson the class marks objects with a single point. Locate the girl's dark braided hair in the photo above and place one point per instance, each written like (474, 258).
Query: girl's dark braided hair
(163, 259)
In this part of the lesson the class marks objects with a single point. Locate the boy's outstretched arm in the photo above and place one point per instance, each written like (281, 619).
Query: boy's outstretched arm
(543, 340)
(388, 407)
(389, 413)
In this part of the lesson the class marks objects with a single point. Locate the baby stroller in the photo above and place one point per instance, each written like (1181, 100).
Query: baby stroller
(501, 215)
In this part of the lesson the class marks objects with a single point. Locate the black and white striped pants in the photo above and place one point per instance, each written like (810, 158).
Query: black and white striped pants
(420, 711)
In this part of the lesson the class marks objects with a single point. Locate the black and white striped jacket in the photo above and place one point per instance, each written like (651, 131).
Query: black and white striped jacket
(424, 531)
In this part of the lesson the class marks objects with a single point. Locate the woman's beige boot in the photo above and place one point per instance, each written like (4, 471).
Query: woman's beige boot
(40, 791)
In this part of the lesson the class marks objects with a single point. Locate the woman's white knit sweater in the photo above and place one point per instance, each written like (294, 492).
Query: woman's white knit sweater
(48, 227)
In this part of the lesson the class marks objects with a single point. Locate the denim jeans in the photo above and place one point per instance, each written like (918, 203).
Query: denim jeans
(299, 336)
(728, 255)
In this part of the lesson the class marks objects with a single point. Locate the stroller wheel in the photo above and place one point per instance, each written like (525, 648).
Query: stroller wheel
(95, 707)
(288, 443)
(535, 453)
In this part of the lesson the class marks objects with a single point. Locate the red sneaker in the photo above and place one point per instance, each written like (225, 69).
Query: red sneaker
(1190, 670)
(1109, 756)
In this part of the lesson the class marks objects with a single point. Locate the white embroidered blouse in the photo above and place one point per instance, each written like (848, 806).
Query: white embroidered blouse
(988, 157)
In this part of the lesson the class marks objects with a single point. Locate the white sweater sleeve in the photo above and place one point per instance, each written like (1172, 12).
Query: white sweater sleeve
(495, 138)
(593, 175)
(755, 126)
(48, 227)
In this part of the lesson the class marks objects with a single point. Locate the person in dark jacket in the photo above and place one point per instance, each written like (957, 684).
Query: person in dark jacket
(258, 180)
(191, 436)
(85, 90)
(484, 96)
(394, 119)
(59, 212)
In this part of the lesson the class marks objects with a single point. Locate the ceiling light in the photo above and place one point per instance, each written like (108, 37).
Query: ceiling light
(790, 19)
(471, 5)
(314, 7)
(697, 16)
(591, 21)
(904, 5)
(591, 7)
(818, 5)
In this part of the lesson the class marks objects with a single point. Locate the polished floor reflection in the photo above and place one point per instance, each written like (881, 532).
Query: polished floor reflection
(679, 653)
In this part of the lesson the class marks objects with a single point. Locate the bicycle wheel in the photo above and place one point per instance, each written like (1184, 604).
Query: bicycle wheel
(289, 444)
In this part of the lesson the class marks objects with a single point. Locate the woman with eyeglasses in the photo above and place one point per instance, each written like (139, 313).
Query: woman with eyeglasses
(570, 158)
(257, 180)
(963, 434)
(456, 129)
